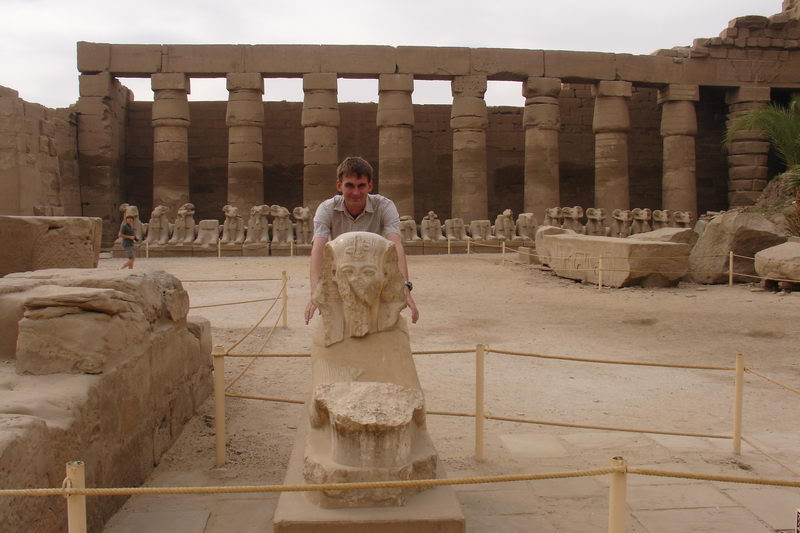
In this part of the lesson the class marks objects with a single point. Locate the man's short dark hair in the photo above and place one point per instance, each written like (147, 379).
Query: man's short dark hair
(354, 166)
(131, 217)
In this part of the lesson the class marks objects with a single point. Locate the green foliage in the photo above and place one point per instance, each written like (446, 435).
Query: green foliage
(782, 127)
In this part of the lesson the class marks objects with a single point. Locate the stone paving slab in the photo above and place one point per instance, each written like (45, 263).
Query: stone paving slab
(161, 522)
(677, 497)
(775, 506)
(701, 520)
(533, 445)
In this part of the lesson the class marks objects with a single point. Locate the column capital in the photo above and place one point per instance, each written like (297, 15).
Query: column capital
(170, 81)
(320, 81)
(535, 87)
(677, 92)
(396, 82)
(747, 94)
(245, 81)
(622, 89)
(468, 86)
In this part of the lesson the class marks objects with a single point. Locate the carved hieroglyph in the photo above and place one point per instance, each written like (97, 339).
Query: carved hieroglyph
(367, 411)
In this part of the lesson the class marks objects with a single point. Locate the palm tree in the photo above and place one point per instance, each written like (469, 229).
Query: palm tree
(782, 127)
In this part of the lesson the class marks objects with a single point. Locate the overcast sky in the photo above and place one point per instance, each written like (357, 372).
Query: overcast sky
(37, 44)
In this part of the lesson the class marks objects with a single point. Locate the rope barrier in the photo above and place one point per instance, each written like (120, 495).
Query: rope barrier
(226, 280)
(775, 381)
(609, 362)
(264, 316)
(772, 458)
(263, 398)
(743, 256)
(232, 303)
(712, 477)
(766, 277)
(416, 352)
(238, 489)
(250, 364)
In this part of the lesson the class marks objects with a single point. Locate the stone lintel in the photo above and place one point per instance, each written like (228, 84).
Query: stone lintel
(173, 80)
(536, 87)
(613, 88)
(433, 61)
(320, 81)
(468, 86)
(747, 94)
(236, 81)
(675, 92)
(396, 82)
(93, 57)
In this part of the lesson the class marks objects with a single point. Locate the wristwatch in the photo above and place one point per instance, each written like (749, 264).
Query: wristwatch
(409, 285)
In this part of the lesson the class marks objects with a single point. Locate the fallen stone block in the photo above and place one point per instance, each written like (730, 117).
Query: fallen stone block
(781, 262)
(626, 262)
(681, 235)
(744, 234)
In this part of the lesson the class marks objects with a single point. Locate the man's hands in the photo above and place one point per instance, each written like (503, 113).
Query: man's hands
(310, 308)
(413, 306)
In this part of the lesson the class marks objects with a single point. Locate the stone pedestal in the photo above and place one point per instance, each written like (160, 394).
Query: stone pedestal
(542, 121)
(468, 120)
(320, 121)
(170, 139)
(395, 124)
(611, 125)
(679, 129)
(245, 120)
(747, 156)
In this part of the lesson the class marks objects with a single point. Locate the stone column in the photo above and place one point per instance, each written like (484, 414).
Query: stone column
(395, 124)
(679, 129)
(171, 140)
(747, 156)
(102, 111)
(468, 120)
(245, 120)
(320, 121)
(542, 122)
(611, 125)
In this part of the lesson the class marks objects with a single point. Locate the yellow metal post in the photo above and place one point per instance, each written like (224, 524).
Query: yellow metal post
(600, 272)
(76, 505)
(285, 297)
(468, 243)
(737, 405)
(480, 415)
(616, 497)
(730, 269)
(219, 404)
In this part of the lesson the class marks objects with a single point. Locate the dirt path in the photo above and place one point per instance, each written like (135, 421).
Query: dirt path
(465, 300)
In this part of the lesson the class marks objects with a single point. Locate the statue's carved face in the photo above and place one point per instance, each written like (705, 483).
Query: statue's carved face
(362, 281)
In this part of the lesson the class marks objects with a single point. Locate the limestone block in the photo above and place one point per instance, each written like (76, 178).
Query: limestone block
(34, 243)
(680, 235)
(320, 108)
(218, 59)
(396, 82)
(626, 262)
(779, 262)
(738, 148)
(98, 85)
(207, 234)
(320, 81)
(541, 245)
(747, 94)
(170, 111)
(353, 59)
(131, 59)
(648, 69)
(6, 92)
(93, 57)
(245, 134)
(541, 87)
(748, 173)
(249, 81)
(246, 182)
(474, 86)
(245, 152)
(395, 109)
(679, 92)
(284, 59)
(506, 63)
(743, 233)
(244, 108)
(542, 115)
(748, 160)
(613, 88)
(678, 118)
(611, 115)
(174, 81)
(432, 62)
(579, 66)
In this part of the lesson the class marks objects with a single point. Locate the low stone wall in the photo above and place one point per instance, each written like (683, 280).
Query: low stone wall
(34, 243)
(100, 366)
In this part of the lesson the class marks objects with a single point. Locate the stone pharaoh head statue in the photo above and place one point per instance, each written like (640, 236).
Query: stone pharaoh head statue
(360, 290)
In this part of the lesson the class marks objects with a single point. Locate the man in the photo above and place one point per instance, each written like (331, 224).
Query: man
(356, 210)
(128, 237)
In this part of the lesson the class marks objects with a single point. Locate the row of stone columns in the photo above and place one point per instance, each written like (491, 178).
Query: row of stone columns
(469, 120)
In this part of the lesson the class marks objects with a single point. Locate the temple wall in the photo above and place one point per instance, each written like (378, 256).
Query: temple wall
(432, 143)
(38, 158)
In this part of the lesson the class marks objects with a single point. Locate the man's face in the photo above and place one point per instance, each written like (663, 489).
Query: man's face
(355, 190)
(129, 221)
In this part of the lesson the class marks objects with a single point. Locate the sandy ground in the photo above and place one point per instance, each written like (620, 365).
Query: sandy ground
(465, 300)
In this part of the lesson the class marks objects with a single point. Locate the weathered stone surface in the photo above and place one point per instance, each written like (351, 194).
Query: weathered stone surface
(680, 235)
(122, 419)
(781, 262)
(541, 246)
(34, 243)
(626, 262)
(744, 234)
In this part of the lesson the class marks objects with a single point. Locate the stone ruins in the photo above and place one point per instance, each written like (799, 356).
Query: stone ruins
(597, 129)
